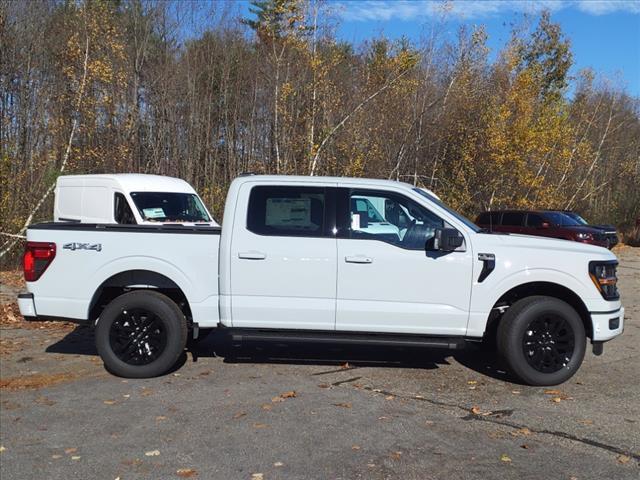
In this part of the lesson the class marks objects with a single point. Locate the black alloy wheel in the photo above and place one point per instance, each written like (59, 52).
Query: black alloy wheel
(141, 334)
(548, 343)
(137, 337)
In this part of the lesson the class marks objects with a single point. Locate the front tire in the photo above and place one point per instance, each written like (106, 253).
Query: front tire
(542, 340)
(141, 334)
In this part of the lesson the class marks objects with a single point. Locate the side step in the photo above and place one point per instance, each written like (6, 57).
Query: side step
(248, 335)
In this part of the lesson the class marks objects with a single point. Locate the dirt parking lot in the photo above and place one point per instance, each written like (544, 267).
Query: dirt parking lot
(313, 412)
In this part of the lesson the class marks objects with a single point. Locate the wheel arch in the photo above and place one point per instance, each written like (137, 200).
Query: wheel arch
(549, 289)
(130, 280)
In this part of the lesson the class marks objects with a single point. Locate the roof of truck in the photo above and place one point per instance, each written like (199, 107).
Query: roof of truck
(129, 182)
(308, 179)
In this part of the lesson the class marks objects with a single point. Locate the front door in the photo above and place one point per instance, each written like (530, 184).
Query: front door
(283, 259)
(387, 281)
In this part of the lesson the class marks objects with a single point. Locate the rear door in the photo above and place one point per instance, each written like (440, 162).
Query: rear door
(387, 282)
(283, 258)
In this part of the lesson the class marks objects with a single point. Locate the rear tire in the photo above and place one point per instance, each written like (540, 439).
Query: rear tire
(542, 340)
(141, 334)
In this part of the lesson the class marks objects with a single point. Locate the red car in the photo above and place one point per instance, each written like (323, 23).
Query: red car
(543, 223)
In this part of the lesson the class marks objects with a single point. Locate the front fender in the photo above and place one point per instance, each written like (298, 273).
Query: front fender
(485, 295)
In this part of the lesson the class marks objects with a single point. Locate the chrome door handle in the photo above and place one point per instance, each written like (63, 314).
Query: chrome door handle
(358, 259)
(252, 255)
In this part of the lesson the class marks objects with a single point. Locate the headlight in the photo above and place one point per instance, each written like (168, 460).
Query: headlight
(603, 275)
(584, 236)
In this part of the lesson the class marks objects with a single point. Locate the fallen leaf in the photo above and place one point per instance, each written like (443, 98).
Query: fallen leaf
(623, 458)
(109, 402)
(472, 382)
(429, 422)
(278, 464)
(553, 392)
(476, 410)
(505, 458)
(586, 422)
(205, 373)
(160, 418)
(55, 457)
(146, 391)
(355, 447)
(324, 385)
(257, 476)
(525, 446)
(389, 397)
(239, 415)
(260, 425)
(69, 451)
(186, 472)
(516, 392)
(556, 399)
(343, 405)
(283, 396)
(45, 401)
(152, 453)
(266, 406)
(76, 457)
(345, 366)
(521, 431)
(396, 455)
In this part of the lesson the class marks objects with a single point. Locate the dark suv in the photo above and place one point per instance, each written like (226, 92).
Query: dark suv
(543, 223)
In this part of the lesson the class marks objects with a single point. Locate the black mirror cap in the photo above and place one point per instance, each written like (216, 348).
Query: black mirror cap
(446, 240)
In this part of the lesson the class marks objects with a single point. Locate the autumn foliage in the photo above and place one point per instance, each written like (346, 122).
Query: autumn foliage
(191, 90)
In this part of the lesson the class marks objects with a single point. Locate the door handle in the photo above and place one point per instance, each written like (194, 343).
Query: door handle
(358, 259)
(252, 255)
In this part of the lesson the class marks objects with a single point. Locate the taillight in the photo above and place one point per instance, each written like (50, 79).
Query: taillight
(37, 257)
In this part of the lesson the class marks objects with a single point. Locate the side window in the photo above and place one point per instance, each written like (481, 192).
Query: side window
(287, 211)
(512, 219)
(391, 218)
(534, 220)
(122, 211)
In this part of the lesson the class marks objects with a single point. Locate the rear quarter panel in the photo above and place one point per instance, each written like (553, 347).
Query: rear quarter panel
(68, 285)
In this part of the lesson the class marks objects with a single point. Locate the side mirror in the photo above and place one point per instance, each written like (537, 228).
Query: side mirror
(447, 239)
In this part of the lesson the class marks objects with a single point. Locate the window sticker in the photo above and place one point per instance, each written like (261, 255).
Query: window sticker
(155, 212)
(288, 212)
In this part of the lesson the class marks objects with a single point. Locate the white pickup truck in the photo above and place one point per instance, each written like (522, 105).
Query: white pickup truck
(306, 259)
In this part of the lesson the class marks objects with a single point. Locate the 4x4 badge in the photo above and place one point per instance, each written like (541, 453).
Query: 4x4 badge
(83, 246)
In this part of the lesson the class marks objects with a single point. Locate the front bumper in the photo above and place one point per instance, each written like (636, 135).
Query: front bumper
(27, 306)
(607, 325)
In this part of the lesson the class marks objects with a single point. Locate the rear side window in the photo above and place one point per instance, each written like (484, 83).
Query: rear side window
(489, 218)
(534, 220)
(513, 218)
(287, 211)
(122, 211)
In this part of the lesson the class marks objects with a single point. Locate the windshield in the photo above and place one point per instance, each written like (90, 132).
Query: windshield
(462, 218)
(562, 219)
(577, 218)
(170, 207)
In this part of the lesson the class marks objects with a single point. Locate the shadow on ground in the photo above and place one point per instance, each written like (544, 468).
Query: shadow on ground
(81, 342)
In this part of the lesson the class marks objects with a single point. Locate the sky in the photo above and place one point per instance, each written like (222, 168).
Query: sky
(604, 34)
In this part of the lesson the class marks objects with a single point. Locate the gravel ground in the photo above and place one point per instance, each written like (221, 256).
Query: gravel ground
(307, 412)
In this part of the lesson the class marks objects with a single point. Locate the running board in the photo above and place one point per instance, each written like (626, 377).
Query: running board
(247, 335)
